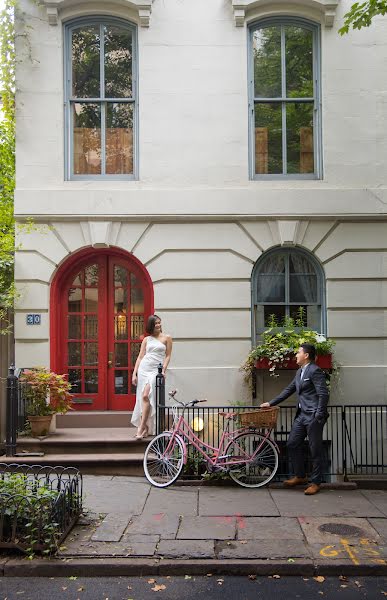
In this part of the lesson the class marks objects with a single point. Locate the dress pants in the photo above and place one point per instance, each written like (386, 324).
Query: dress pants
(306, 425)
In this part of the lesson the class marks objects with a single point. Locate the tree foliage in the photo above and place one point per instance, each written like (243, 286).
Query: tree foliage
(7, 157)
(361, 14)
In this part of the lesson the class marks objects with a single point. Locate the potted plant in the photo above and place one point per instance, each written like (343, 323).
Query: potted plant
(46, 394)
(280, 343)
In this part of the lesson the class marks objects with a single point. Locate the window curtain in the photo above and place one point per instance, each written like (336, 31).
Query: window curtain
(305, 279)
(271, 280)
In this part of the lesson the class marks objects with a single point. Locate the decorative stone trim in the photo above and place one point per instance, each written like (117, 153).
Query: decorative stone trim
(326, 7)
(142, 7)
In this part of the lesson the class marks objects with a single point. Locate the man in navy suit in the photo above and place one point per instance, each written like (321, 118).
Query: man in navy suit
(313, 397)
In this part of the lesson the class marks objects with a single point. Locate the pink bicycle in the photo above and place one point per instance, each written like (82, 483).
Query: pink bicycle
(248, 455)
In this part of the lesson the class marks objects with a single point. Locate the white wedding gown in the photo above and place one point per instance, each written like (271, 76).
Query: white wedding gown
(147, 371)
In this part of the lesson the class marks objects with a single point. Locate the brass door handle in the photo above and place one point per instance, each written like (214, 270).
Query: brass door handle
(110, 361)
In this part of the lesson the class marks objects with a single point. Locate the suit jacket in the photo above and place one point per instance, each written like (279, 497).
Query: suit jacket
(312, 392)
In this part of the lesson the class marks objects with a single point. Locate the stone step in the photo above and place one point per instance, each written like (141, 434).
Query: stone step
(93, 419)
(88, 464)
(78, 441)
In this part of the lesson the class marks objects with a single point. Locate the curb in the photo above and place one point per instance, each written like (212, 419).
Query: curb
(278, 485)
(108, 567)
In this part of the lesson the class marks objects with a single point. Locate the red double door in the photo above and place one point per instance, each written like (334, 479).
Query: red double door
(104, 303)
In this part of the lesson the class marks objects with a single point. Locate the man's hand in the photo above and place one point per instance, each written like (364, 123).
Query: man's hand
(265, 405)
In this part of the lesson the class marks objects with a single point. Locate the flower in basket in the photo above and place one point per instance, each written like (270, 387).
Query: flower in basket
(281, 341)
(47, 393)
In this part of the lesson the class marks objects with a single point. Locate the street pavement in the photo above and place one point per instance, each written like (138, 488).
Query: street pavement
(131, 528)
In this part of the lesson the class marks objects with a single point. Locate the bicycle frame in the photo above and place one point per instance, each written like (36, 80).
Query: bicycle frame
(187, 435)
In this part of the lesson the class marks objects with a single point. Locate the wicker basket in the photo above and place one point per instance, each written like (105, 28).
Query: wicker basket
(265, 417)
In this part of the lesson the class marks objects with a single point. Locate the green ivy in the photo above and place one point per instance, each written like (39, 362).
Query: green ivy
(361, 14)
(7, 161)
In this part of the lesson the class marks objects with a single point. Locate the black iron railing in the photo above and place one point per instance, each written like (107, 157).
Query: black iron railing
(38, 506)
(354, 438)
(16, 410)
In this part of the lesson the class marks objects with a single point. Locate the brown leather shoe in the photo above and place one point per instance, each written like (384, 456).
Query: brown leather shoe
(295, 481)
(312, 489)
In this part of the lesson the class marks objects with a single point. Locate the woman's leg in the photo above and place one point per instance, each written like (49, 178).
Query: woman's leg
(145, 410)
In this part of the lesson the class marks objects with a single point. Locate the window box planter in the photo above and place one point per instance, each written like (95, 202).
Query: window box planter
(38, 506)
(324, 361)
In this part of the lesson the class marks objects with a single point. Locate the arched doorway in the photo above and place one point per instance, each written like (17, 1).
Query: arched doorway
(100, 300)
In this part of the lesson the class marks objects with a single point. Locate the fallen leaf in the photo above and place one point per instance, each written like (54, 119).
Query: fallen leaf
(276, 576)
(359, 585)
(343, 585)
(81, 589)
(319, 579)
(129, 587)
(384, 593)
(73, 578)
(209, 575)
(343, 578)
(159, 588)
(322, 593)
(151, 580)
(187, 577)
(64, 588)
(305, 578)
(291, 560)
(252, 577)
(243, 542)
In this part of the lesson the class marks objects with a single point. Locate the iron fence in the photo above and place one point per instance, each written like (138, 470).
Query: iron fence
(354, 437)
(16, 410)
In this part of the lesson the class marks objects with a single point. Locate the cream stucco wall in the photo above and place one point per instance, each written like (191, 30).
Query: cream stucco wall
(193, 218)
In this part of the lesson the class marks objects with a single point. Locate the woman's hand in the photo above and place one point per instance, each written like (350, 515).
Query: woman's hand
(265, 405)
(134, 379)
(164, 373)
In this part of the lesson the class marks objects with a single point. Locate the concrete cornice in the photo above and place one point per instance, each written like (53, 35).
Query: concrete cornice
(142, 7)
(242, 8)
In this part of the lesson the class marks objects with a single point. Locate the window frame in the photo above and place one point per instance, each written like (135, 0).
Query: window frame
(321, 288)
(317, 110)
(69, 26)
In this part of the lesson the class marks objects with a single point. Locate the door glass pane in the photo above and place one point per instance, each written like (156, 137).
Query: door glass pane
(91, 381)
(120, 276)
(87, 138)
(91, 275)
(75, 378)
(75, 300)
(91, 327)
(268, 138)
(74, 327)
(136, 327)
(120, 327)
(74, 353)
(121, 382)
(91, 299)
(136, 300)
(299, 62)
(299, 128)
(119, 138)
(267, 62)
(78, 279)
(134, 352)
(91, 353)
(120, 300)
(86, 62)
(121, 355)
(118, 62)
(133, 280)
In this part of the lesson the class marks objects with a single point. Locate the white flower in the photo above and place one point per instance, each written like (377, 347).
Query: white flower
(320, 338)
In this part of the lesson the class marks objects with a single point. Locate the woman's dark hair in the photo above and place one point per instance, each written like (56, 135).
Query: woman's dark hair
(150, 326)
(309, 349)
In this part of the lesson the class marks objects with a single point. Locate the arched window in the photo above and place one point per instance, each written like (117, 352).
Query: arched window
(283, 280)
(284, 99)
(100, 98)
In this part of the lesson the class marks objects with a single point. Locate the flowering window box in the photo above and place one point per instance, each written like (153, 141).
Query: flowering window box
(323, 361)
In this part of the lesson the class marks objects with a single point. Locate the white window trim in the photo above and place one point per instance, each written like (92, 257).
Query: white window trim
(243, 8)
(143, 8)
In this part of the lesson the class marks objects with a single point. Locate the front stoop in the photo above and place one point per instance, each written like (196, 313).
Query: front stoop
(99, 450)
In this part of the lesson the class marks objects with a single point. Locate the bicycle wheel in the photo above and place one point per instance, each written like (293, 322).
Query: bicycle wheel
(264, 466)
(163, 465)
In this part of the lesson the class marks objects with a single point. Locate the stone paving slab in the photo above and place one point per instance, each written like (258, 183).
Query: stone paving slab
(351, 529)
(294, 503)
(172, 501)
(118, 497)
(111, 529)
(378, 499)
(157, 524)
(184, 549)
(356, 553)
(381, 527)
(139, 538)
(265, 549)
(109, 549)
(207, 528)
(246, 502)
(265, 528)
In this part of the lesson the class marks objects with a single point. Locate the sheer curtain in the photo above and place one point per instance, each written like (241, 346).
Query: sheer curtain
(304, 279)
(271, 280)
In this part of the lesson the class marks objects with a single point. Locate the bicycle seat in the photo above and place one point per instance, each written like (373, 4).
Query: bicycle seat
(228, 415)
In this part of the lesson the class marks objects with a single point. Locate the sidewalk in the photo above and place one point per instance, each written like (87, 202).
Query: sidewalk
(132, 528)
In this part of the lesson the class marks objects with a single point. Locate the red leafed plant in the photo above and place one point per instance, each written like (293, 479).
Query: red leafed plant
(47, 392)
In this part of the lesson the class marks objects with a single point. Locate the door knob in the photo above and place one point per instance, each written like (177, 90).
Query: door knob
(110, 359)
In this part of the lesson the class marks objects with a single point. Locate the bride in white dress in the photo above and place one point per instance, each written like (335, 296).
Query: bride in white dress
(156, 348)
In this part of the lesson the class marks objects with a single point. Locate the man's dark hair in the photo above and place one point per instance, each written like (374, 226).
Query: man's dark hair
(309, 349)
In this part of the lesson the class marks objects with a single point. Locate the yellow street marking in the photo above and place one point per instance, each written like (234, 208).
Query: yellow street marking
(348, 550)
(327, 552)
